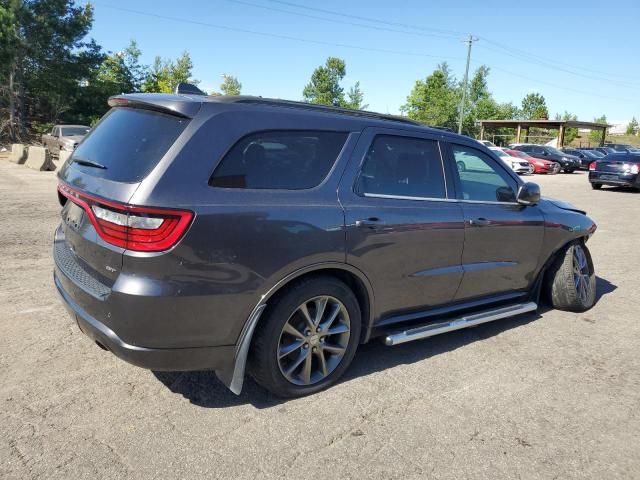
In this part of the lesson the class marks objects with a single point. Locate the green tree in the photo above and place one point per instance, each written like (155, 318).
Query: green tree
(632, 128)
(324, 87)
(570, 134)
(165, 75)
(45, 58)
(230, 86)
(119, 72)
(355, 97)
(596, 135)
(433, 101)
(534, 107)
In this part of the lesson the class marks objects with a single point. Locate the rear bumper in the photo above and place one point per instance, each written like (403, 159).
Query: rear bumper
(168, 359)
(620, 180)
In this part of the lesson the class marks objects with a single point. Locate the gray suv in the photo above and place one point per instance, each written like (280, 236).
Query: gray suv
(245, 234)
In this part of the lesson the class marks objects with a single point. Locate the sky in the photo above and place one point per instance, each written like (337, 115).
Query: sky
(581, 57)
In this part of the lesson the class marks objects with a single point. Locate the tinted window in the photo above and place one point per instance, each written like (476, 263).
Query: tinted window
(481, 179)
(289, 160)
(129, 143)
(402, 166)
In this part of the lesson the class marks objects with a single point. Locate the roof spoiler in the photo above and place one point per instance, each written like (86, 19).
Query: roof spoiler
(188, 89)
(158, 102)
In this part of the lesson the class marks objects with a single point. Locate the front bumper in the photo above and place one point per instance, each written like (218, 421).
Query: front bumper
(168, 359)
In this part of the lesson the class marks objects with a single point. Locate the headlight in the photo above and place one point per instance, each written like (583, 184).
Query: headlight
(635, 168)
(564, 159)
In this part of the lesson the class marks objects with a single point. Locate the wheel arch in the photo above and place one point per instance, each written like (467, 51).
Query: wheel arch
(350, 275)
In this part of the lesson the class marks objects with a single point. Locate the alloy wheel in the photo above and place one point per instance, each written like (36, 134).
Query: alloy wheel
(581, 273)
(314, 340)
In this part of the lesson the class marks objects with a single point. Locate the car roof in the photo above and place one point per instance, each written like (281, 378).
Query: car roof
(189, 106)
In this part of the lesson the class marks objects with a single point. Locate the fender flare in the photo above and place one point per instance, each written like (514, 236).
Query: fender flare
(234, 379)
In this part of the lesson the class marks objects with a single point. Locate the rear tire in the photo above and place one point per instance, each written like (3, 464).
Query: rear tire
(571, 280)
(294, 352)
(596, 186)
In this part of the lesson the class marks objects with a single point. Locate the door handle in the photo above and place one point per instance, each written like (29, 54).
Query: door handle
(480, 222)
(371, 222)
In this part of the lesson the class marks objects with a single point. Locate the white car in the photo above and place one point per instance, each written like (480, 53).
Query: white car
(518, 165)
(487, 143)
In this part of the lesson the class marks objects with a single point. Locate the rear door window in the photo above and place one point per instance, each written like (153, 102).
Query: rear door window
(279, 160)
(129, 143)
(399, 166)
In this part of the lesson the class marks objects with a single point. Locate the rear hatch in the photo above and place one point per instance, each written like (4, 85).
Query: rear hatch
(610, 164)
(95, 187)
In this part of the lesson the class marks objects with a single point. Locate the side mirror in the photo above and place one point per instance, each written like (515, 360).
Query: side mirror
(528, 194)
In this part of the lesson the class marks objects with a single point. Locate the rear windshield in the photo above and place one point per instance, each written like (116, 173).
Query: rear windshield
(128, 143)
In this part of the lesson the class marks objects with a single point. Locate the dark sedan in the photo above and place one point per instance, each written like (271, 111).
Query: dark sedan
(618, 170)
(585, 156)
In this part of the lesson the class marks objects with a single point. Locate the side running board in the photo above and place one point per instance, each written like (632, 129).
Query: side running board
(461, 322)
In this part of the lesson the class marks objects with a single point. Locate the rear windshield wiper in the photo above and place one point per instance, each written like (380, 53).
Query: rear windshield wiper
(89, 163)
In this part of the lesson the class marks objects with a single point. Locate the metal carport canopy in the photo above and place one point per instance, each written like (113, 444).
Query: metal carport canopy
(560, 125)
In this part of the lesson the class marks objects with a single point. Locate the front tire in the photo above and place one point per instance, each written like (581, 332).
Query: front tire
(571, 280)
(307, 339)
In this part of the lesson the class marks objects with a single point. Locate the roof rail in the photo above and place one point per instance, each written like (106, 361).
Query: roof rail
(325, 109)
(188, 89)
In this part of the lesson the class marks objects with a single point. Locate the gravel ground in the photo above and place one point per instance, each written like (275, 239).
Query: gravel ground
(546, 395)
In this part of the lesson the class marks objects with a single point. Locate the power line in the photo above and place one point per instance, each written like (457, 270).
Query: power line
(272, 35)
(368, 19)
(555, 62)
(537, 59)
(559, 68)
(555, 85)
(342, 45)
(341, 22)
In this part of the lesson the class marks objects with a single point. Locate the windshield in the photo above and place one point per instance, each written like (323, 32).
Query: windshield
(71, 131)
(555, 151)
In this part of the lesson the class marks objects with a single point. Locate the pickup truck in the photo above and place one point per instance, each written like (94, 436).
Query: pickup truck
(64, 137)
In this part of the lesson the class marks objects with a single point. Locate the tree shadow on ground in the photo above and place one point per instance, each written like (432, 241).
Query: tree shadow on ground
(203, 389)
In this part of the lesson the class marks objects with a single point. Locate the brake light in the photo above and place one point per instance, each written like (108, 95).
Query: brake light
(635, 168)
(141, 229)
(592, 166)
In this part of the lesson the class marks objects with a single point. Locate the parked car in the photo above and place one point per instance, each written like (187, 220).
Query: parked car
(568, 163)
(518, 165)
(539, 165)
(64, 137)
(595, 154)
(239, 231)
(619, 170)
(623, 147)
(585, 156)
(605, 150)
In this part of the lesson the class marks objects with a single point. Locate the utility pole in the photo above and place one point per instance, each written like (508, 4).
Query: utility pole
(469, 42)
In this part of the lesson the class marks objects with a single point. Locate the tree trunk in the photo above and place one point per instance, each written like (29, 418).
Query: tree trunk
(12, 110)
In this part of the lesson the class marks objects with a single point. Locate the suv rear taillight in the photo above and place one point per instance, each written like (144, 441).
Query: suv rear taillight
(140, 229)
(592, 166)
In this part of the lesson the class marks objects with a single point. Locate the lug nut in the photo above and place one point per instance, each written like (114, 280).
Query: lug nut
(318, 330)
(315, 349)
(306, 345)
